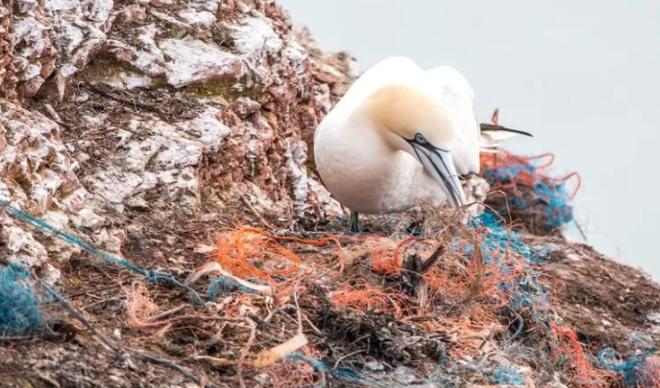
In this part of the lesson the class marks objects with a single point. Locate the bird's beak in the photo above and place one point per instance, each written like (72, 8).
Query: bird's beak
(493, 135)
(439, 164)
(502, 132)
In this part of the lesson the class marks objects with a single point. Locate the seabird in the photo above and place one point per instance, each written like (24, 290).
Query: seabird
(400, 135)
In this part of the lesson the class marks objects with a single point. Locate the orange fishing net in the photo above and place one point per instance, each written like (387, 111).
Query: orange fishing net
(569, 353)
(252, 252)
(366, 297)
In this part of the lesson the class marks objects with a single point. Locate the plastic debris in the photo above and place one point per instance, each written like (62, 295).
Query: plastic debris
(639, 370)
(523, 192)
(507, 376)
(153, 276)
(20, 312)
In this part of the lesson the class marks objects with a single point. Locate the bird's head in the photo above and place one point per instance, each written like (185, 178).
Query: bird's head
(412, 120)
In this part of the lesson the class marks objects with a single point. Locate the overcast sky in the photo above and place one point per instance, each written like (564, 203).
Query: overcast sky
(581, 75)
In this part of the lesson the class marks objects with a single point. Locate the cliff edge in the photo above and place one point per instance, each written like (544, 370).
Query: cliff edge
(163, 225)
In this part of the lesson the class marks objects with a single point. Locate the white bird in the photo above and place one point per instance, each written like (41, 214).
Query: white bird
(400, 135)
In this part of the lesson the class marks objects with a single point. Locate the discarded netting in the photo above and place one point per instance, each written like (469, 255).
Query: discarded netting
(249, 252)
(499, 239)
(153, 276)
(19, 305)
(223, 284)
(522, 192)
(507, 376)
(483, 293)
(572, 359)
(246, 251)
(638, 371)
(344, 374)
(503, 245)
(530, 301)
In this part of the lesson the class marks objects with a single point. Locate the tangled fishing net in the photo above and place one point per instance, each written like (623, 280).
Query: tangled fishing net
(19, 305)
(456, 304)
(523, 192)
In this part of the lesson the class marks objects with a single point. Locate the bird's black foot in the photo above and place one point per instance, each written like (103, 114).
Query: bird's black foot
(353, 223)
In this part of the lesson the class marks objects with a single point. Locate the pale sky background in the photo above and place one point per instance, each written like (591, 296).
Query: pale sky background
(581, 75)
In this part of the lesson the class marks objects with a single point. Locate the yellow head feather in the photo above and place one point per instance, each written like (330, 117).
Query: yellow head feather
(405, 110)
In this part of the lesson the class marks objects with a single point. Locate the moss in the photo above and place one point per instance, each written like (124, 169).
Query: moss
(310, 164)
(150, 165)
(229, 89)
(176, 32)
(159, 82)
(221, 36)
(104, 69)
(151, 196)
(169, 30)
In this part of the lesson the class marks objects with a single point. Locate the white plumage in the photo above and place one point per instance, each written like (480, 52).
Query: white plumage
(398, 136)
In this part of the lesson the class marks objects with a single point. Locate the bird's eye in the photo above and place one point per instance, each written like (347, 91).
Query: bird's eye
(420, 139)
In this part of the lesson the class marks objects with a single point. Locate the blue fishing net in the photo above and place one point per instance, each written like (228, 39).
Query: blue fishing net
(153, 276)
(525, 291)
(222, 284)
(497, 239)
(506, 376)
(631, 369)
(527, 196)
(19, 305)
(345, 374)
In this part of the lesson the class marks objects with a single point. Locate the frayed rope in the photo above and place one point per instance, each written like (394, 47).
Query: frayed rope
(224, 284)
(153, 276)
(344, 374)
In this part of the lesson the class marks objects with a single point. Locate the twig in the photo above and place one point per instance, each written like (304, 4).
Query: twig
(167, 313)
(428, 263)
(76, 314)
(106, 300)
(263, 359)
(245, 352)
(168, 363)
(298, 313)
(215, 267)
(136, 104)
(342, 358)
(491, 332)
(255, 212)
(112, 345)
(313, 326)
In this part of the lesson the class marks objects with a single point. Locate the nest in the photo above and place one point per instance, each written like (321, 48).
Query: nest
(456, 303)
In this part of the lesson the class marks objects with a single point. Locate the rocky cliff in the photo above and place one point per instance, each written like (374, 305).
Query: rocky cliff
(154, 130)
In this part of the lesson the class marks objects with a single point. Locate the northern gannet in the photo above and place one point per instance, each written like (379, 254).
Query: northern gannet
(398, 136)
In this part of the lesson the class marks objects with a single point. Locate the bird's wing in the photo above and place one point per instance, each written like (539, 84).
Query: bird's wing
(457, 96)
(389, 71)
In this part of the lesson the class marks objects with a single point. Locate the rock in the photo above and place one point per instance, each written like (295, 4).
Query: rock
(194, 61)
(38, 176)
(145, 127)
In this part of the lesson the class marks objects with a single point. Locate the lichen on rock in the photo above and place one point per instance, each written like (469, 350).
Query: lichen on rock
(142, 105)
